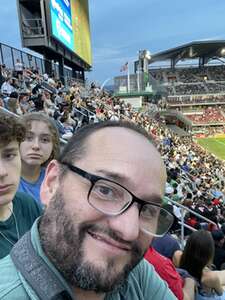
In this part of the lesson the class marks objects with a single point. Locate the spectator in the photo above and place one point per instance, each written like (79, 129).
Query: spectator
(166, 245)
(183, 289)
(25, 104)
(49, 106)
(13, 104)
(7, 88)
(219, 257)
(3, 74)
(38, 102)
(17, 211)
(19, 69)
(41, 144)
(85, 235)
(59, 98)
(197, 258)
(67, 124)
(2, 104)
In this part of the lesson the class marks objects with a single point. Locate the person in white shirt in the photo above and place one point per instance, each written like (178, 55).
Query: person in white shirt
(19, 69)
(7, 88)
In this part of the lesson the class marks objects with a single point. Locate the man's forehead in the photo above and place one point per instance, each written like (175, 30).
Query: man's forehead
(124, 153)
(120, 143)
(109, 135)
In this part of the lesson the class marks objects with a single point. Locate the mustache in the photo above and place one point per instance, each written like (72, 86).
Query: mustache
(96, 229)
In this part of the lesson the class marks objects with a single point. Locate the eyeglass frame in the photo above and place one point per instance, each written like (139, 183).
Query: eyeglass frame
(94, 178)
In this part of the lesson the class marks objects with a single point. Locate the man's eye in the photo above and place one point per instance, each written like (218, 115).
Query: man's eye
(107, 192)
(104, 190)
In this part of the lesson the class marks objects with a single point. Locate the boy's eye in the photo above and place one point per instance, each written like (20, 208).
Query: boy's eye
(10, 156)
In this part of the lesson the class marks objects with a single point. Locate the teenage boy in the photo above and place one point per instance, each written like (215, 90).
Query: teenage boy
(18, 211)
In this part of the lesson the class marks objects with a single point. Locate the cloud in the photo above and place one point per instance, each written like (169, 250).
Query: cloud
(111, 54)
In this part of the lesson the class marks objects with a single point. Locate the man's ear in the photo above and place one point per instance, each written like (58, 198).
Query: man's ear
(50, 183)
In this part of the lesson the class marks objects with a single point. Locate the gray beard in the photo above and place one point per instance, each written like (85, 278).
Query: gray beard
(62, 242)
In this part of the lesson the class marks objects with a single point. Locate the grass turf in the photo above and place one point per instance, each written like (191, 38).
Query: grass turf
(214, 145)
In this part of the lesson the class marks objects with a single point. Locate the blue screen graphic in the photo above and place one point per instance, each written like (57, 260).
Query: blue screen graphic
(61, 17)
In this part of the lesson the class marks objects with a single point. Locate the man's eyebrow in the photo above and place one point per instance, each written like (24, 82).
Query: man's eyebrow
(120, 178)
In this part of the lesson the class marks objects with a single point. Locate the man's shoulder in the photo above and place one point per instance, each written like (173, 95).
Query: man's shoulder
(144, 283)
(11, 287)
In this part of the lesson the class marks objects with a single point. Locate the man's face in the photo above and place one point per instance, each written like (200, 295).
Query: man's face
(10, 168)
(94, 251)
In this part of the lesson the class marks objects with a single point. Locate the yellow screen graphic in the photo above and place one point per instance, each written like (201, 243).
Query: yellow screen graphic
(81, 29)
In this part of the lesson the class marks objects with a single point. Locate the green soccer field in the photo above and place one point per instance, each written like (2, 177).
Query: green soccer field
(214, 145)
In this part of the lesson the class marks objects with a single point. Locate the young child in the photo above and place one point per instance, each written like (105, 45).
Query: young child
(41, 145)
(17, 210)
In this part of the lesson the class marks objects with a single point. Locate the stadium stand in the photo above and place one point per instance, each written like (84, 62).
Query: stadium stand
(196, 179)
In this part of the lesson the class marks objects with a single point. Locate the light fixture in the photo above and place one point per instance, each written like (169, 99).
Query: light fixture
(147, 54)
(222, 51)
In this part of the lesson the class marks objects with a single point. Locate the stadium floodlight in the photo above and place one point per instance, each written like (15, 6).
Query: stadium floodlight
(148, 54)
(144, 54)
(222, 51)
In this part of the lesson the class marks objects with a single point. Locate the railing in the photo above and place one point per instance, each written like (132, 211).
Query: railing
(79, 112)
(182, 223)
(88, 111)
(9, 56)
(32, 27)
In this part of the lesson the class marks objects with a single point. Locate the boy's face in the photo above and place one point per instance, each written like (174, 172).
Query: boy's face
(10, 168)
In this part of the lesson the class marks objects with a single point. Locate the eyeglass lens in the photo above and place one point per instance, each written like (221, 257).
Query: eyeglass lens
(112, 199)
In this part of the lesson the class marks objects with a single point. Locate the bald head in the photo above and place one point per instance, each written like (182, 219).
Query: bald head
(76, 147)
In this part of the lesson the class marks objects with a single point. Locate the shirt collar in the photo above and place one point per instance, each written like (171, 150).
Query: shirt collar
(35, 239)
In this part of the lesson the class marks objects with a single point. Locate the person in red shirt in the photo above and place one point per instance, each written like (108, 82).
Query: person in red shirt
(183, 289)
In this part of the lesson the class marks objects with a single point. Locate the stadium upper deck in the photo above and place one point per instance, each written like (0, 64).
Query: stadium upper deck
(194, 78)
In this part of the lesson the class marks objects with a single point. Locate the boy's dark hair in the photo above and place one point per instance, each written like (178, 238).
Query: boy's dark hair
(11, 129)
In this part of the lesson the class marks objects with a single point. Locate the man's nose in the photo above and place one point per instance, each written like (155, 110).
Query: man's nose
(127, 224)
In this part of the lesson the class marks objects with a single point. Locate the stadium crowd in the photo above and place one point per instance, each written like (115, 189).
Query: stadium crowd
(196, 99)
(191, 80)
(195, 178)
(208, 115)
(190, 74)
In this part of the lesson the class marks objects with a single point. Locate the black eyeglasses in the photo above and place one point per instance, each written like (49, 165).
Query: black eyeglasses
(113, 199)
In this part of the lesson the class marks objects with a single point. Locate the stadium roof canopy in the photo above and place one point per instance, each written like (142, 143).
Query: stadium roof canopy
(202, 50)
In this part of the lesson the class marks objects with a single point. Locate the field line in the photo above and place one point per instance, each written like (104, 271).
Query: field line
(219, 142)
